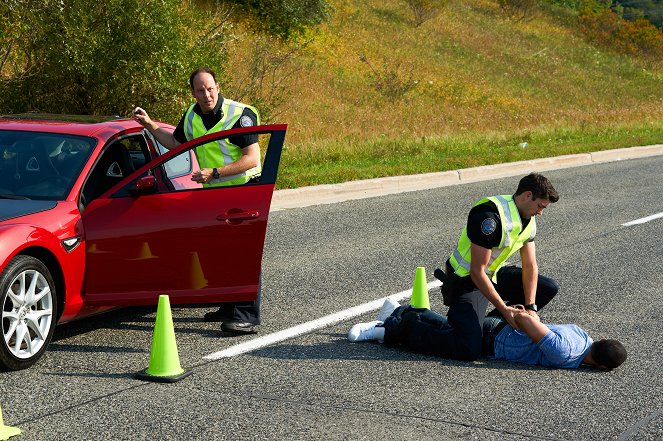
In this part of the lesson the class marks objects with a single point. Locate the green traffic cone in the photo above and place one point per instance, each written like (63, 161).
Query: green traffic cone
(419, 297)
(7, 431)
(164, 360)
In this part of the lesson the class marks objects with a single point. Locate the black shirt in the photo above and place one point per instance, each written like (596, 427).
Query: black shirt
(484, 226)
(248, 119)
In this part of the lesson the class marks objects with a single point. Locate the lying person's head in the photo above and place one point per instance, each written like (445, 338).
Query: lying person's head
(607, 354)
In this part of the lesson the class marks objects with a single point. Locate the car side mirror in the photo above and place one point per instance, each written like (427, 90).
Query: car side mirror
(143, 185)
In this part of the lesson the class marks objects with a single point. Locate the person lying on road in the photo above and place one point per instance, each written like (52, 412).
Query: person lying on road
(557, 346)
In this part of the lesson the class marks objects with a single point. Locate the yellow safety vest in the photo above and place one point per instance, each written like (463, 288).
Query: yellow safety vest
(221, 152)
(513, 238)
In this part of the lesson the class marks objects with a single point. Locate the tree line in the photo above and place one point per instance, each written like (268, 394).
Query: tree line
(76, 56)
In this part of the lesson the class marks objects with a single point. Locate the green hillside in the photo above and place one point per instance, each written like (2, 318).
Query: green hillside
(373, 95)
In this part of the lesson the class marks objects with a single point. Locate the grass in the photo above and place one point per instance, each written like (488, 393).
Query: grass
(331, 163)
(483, 85)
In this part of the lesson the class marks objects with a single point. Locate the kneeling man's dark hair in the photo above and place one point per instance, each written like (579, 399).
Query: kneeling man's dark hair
(608, 353)
(540, 187)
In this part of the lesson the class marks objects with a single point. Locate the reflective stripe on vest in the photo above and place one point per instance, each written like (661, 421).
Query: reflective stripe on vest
(513, 238)
(221, 152)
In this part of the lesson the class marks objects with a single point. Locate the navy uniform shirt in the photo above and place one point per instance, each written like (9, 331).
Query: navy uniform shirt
(484, 226)
(248, 119)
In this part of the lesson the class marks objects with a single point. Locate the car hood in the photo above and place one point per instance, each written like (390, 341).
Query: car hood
(10, 208)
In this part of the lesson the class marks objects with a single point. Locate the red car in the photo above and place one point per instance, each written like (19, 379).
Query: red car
(94, 213)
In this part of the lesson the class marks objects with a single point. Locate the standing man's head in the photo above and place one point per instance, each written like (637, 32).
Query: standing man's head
(606, 354)
(204, 88)
(534, 194)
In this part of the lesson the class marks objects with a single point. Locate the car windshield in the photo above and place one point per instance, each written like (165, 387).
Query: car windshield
(44, 166)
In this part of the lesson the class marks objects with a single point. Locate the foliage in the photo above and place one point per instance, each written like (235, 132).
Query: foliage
(571, 4)
(389, 80)
(263, 82)
(652, 10)
(424, 10)
(286, 19)
(75, 56)
(518, 10)
(600, 24)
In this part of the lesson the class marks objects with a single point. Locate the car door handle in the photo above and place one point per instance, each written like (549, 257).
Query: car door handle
(235, 216)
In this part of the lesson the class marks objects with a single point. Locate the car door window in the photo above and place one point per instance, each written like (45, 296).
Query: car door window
(180, 165)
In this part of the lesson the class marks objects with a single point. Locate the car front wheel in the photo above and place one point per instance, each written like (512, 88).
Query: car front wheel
(28, 299)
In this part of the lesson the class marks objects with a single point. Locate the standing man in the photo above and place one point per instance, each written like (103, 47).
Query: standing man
(497, 227)
(231, 161)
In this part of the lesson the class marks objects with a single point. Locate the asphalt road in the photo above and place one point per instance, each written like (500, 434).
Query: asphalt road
(324, 259)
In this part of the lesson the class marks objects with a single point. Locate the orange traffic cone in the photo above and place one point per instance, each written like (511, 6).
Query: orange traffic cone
(419, 297)
(164, 361)
(7, 431)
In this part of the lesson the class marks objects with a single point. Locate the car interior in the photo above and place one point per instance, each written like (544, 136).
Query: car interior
(41, 167)
(121, 158)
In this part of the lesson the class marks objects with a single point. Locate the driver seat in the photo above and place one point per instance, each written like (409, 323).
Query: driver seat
(113, 166)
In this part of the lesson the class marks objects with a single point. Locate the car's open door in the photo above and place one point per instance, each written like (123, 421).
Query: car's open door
(146, 237)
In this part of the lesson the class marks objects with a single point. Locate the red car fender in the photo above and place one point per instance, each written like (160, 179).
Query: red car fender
(67, 268)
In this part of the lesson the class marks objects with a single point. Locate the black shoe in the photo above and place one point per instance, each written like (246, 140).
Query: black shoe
(217, 316)
(237, 327)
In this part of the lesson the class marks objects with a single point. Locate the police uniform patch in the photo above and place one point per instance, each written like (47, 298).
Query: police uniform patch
(245, 121)
(488, 226)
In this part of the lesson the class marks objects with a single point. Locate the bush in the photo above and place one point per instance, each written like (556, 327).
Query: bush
(570, 4)
(607, 28)
(263, 81)
(105, 57)
(389, 80)
(285, 19)
(424, 10)
(518, 9)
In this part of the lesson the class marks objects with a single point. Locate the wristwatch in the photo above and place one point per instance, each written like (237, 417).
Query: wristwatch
(532, 307)
(215, 173)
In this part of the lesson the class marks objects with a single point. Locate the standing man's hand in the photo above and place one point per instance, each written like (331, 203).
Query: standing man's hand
(141, 117)
(165, 137)
(202, 176)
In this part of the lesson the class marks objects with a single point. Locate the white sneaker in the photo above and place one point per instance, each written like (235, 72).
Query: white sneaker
(364, 331)
(387, 308)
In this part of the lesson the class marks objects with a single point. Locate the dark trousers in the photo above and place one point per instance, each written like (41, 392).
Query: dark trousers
(242, 311)
(460, 336)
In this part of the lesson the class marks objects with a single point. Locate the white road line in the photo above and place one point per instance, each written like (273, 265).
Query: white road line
(643, 220)
(313, 325)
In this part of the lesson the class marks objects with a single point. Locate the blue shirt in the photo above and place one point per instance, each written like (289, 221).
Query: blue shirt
(563, 347)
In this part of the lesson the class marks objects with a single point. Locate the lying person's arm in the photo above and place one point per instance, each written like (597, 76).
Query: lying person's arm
(532, 326)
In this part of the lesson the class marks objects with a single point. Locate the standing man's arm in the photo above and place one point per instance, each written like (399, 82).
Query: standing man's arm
(530, 273)
(250, 158)
(164, 137)
(478, 264)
